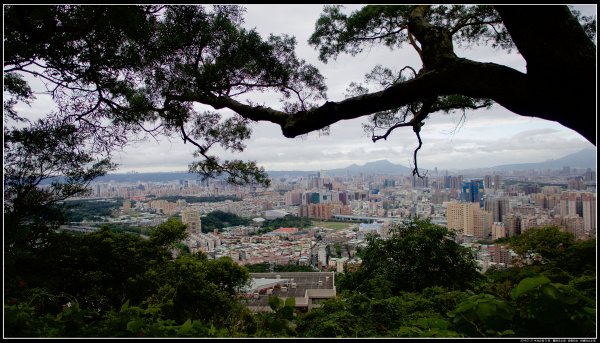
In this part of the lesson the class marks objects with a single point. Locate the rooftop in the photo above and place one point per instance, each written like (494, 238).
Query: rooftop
(284, 285)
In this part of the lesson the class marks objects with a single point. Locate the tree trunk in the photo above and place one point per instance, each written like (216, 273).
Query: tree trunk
(561, 65)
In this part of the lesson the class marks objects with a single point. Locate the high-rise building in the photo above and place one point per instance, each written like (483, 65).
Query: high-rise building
(323, 211)
(487, 181)
(420, 181)
(574, 225)
(191, 218)
(469, 219)
(293, 198)
(457, 216)
(343, 198)
(568, 204)
(589, 211)
(589, 175)
(453, 182)
(539, 199)
(482, 223)
(498, 206)
(553, 201)
(497, 181)
(579, 204)
(472, 191)
(528, 221)
(576, 183)
(498, 230)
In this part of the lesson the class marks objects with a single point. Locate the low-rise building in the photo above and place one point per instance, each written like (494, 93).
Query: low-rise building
(309, 289)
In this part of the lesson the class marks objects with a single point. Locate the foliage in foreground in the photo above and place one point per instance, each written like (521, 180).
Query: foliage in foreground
(539, 300)
(107, 284)
(70, 283)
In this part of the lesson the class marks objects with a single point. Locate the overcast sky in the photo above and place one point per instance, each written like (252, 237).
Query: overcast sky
(486, 138)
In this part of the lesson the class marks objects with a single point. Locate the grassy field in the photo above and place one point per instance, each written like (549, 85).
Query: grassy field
(331, 225)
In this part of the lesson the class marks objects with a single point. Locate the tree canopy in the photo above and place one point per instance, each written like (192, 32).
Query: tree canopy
(107, 284)
(416, 255)
(114, 71)
(542, 244)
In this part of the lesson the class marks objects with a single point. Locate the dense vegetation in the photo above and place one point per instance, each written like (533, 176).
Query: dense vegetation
(115, 284)
(391, 266)
(554, 296)
(127, 228)
(286, 221)
(108, 284)
(217, 220)
(91, 210)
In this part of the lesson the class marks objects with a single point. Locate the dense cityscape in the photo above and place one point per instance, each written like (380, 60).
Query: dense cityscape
(480, 209)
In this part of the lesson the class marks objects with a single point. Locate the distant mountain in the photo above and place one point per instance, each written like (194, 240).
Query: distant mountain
(148, 177)
(290, 173)
(585, 158)
(374, 168)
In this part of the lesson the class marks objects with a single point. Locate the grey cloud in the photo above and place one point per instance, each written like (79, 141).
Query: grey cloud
(486, 138)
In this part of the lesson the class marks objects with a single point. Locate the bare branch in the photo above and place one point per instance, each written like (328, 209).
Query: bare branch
(489, 23)
(392, 128)
(417, 130)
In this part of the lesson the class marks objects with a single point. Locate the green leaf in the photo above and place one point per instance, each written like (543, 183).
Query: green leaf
(287, 313)
(291, 302)
(212, 331)
(485, 311)
(504, 310)
(185, 327)
(135, 325)
(275, 303)
(568, 299)
(490, 332)
(125, 306)
(550, 291)
(528, 284)
(506, 333)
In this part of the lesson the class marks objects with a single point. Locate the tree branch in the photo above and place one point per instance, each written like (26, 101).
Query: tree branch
(417, 131)
(462, 77)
